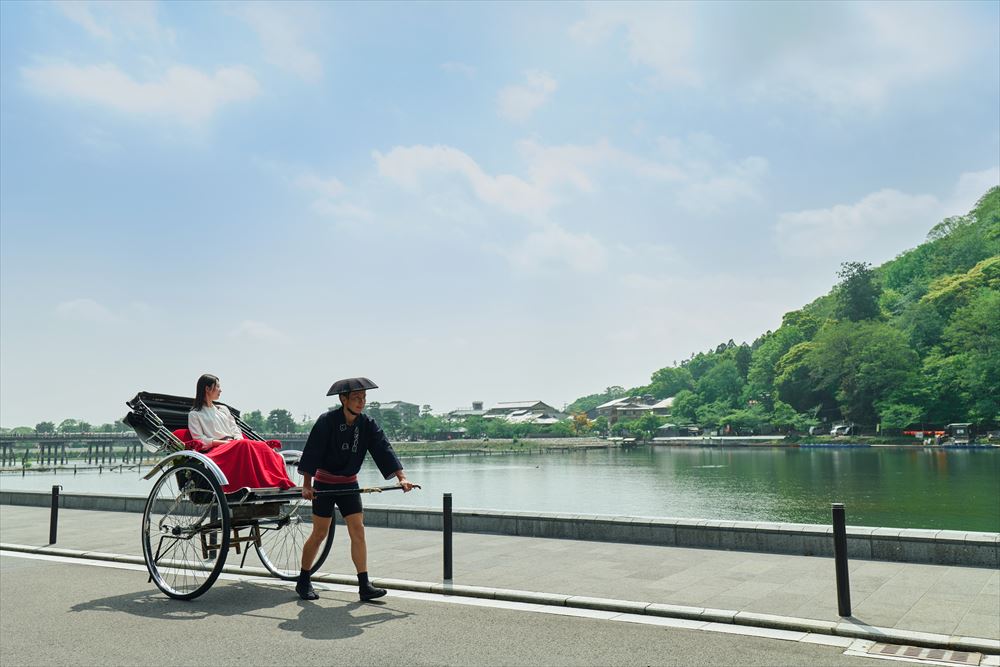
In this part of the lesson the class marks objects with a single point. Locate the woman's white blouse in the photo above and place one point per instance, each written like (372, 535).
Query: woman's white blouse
(214, 423)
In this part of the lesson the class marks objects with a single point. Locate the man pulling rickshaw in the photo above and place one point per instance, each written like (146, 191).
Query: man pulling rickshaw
(330, 462)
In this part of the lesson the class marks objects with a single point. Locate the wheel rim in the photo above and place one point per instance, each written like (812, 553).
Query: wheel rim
(185, 513)
(282, 538)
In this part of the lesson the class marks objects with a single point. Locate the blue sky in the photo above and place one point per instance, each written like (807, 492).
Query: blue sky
(462, 201)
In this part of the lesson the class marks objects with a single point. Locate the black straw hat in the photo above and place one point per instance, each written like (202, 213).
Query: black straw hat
(351, 384)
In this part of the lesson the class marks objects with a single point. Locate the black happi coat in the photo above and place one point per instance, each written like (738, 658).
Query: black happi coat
(336, 448)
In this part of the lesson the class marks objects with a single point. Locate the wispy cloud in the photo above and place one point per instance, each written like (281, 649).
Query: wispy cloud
(883, 219)
(108, 20)
(846, 56)
(184, 94)
(283, 30)
(657, 35)
(519, 102)
(409, 167)
(553, 247)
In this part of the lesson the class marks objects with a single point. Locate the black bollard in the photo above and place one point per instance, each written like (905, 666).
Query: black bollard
(840, 559)
(54, 515)
(447, 536)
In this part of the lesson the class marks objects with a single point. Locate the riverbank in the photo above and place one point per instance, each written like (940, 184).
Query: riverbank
(548, 445)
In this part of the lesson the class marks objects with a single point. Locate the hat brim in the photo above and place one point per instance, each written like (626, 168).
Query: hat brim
(350, 384)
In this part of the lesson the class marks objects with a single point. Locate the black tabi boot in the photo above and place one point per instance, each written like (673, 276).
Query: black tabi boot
(304, 587)
(366, 590)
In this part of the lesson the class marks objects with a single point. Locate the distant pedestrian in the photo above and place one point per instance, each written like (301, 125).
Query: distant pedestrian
(330, 461)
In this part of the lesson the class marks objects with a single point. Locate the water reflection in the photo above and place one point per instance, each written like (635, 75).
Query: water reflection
(920, 488)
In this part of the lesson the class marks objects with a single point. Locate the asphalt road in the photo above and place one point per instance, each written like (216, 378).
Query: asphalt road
(76, 614)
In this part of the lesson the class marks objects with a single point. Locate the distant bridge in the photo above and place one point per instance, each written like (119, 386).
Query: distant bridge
(21, 450)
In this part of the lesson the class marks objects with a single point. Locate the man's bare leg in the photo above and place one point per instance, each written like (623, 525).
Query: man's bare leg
(359, 554)
(321, 528)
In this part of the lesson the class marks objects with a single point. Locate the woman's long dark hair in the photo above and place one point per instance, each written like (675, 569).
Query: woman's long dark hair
(204, 382)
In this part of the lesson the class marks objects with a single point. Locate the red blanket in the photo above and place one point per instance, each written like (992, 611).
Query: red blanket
(249, 463)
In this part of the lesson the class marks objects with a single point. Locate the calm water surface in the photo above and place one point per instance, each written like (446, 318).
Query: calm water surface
(907, 488)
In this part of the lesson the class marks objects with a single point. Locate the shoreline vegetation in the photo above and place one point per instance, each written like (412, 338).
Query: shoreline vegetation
(508, 446)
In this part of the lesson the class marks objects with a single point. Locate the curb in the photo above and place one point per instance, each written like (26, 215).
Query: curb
(850, 627)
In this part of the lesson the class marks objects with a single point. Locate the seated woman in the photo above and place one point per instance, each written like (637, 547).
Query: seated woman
(245, 462)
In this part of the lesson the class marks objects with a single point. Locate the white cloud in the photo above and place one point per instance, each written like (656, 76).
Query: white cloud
(410, 166)
(258, 331)
(886, 219)
(184, 93)
(282, 30)
(658, 35)
(971, 186)
(134, 20)
(554, 247)
(328, 188)
(695, 172)
(722, 185)
(517, 103)
(845, 56)
(845, 230)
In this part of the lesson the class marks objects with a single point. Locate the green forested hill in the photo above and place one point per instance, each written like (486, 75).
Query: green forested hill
(916, 340)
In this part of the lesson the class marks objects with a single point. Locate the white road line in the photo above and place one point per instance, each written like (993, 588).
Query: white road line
(766, 633)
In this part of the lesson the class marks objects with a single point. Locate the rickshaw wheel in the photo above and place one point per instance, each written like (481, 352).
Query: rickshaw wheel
(281, 541)
(185, 531)
(281, 538)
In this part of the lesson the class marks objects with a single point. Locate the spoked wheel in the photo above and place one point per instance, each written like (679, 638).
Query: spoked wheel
(281, 538)
(185, 531)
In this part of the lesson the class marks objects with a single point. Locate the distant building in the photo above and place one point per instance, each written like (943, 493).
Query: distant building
(406, 411)
(520, 412)
(632, 407)
(459, 414)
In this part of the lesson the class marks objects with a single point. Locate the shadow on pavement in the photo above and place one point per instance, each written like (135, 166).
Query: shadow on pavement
(236, 599)
(339, 622)
(329, 619)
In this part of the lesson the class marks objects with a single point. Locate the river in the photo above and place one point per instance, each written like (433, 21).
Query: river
(881, 486)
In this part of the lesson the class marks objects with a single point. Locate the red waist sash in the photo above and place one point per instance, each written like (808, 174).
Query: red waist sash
(328, 478)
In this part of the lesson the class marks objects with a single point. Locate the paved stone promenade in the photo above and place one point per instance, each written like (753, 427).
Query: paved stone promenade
(945, 600)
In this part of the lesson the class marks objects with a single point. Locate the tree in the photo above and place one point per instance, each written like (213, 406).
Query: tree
(255, 420)
(897, 416)
(581, 423)
(858, 292)
(68, 426)
(685, 407)
(722, 383)
(425, 410)
(972, 338)
(667, 381)
(45, 427)
(647, 425)
(713, 414)
(764, 361)
(863, 363)
(391, 422)
(601, 425)
(280, 421)
(562, 429)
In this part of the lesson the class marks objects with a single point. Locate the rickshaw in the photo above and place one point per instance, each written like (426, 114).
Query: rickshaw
(189, 524)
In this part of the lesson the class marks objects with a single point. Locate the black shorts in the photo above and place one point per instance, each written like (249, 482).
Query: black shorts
(348, 504)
